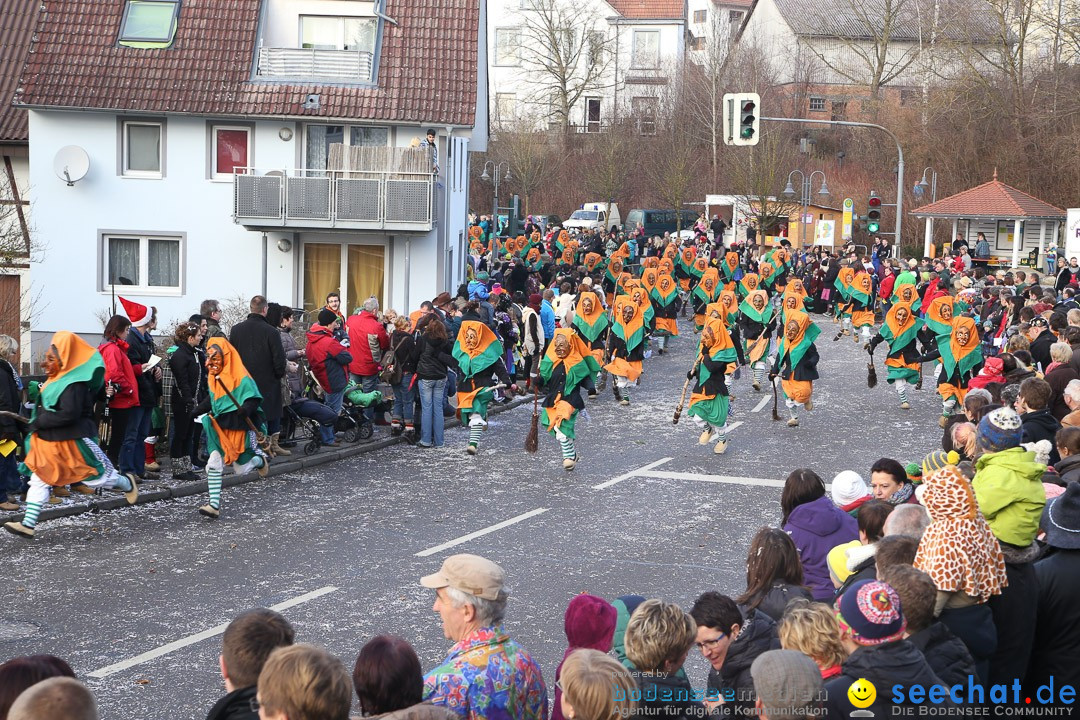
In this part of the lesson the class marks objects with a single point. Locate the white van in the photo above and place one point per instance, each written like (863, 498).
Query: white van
(595, 216)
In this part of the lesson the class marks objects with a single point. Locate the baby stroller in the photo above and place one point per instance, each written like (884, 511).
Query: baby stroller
(346, 423)
(303, 430)
(356, 402)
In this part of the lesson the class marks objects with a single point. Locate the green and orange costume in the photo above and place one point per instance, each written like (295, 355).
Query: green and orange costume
(563, 379)
(901, 331)
(961, 359)
(710, 402)
(862, 306)
(796, 363)
(706, 291)
(479, 357)
(591, 326)
(665, 302)
(626, 347)
(756, 327)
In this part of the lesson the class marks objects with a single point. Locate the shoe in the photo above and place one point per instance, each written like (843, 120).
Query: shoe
(705, 437)
(756, 386)
(793, 422)
(941, 421)
(720, 448)
(592, 394)
(838, 336)
(569, 464)
(263, 469)
(10, 506)
(396, 430)
(425, 446)
(624, 401)
(905, 406)
(660, 351)
(133, 494)
(148, 475)
(152, 466)
(17, 528)
(82, 489)
(53, 500)
(409, 435)
(61, 491)
(276, 448)
(809, 405)
(187, 476)
(210, 511)
(471, 449)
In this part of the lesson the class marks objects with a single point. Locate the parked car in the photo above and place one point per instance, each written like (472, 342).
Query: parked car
(658, 222)
(595, 216)
(547, 221)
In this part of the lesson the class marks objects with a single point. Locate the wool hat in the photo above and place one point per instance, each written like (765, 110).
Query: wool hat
(914, 472)
(837, 561)
(534, 301)
(999, 430)
(469, 573)
(870, 610)
(497, 288)
(788, 684)
(139, 315)
(327, 317)
(847, 487)
(482, 276)
(937, 460)
(1061, 519)
(589, 623)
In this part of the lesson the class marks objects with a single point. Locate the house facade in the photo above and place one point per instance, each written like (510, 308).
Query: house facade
(712, 26)
(274, 147)
(637, 44)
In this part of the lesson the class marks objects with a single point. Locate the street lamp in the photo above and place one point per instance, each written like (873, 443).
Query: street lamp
(921, 187)
(804, 199)
(487, 177)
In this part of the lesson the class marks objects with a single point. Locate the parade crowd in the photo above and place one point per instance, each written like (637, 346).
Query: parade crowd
(949, 579)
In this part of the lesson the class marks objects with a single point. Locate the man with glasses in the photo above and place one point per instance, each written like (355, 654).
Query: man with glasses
(211, 310)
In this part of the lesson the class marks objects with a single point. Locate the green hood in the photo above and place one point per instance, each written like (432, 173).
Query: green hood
(1008, 487)
(622, 619)
(1015, 460)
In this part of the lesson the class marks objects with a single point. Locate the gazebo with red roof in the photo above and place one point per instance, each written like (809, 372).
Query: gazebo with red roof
(990, 208)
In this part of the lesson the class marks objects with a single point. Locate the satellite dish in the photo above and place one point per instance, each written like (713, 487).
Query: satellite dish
(71, 164)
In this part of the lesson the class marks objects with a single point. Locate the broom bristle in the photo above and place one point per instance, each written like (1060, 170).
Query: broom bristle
(871, 375)
(532, 440)
(678, 414)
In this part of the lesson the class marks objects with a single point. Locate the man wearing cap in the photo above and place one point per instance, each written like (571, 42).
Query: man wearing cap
(485, 674)
(872, 629)
(787, 684)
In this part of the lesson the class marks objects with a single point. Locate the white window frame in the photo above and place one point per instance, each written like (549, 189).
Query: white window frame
(701, 16)
(516, 51)
(598, 124)
(124, 169)
(341, 29)
(214, 174)
(818, 100)
(505, 107)
(635, 63)
(144, 239)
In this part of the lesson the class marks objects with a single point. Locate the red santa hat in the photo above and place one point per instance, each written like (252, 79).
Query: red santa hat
(138, 314)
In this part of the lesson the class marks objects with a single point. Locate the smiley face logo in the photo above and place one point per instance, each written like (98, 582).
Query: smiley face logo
(862, 693)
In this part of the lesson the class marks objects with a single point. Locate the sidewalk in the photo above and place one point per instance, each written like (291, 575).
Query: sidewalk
(157, 490)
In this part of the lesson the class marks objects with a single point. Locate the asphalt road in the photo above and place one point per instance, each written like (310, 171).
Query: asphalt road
(135, 599)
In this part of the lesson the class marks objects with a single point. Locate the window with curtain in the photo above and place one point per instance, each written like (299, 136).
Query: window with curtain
(319, 140)
(360, 136)
(230, 150)
(321, 32)
(153, 263)
(142, 149)
(322, 273)
(366, 272)
(646, 49)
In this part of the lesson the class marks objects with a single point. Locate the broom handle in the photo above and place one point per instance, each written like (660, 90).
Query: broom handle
(258, 434)
(685, 387)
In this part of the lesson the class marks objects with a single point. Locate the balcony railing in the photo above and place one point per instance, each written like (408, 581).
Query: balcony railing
(340, 65)
(354, 200)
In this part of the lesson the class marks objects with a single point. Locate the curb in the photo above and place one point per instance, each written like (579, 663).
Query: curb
(291, 465)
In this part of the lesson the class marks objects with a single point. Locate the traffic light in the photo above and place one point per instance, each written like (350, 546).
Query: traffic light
(741, 118)
(873, 213)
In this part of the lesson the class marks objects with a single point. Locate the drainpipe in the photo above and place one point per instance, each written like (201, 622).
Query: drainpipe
(264, 260)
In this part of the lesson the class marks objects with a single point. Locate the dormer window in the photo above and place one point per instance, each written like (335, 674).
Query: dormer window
(149, 23)
(321, 32)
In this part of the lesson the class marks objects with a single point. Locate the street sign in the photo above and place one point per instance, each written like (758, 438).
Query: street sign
(825, 233)
(845, 231)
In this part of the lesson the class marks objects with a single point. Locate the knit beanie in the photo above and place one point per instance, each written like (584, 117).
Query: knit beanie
(870, 610)
(937, 460)
(589, 623)
(847, 487)
(914, 472)
(327, 317)
(837, 562)
(999, 430)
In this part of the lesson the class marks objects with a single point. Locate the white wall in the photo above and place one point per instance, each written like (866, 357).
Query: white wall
(282, 28)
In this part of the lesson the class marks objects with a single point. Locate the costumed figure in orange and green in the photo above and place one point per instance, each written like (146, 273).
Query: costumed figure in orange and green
(842, 285)
(862, 307)
(767, 271)
(684, 268)
(757, 323)
(626, 347)
(710, 402)
(612, 274)
(591, 324)
(900, 330)
(592, 260)
(533, 261)
(665, 302)
(749, 283)
(780, 258)
(796, 364)
(939, 321)
(641, 297)
(905, 290)
(62, 448)
(666, 266)
(479, 357)
(698, 269)
(567, 367)
(649, 276)
(706, 291)
(729, 266)
(961, 358)
(229, 413)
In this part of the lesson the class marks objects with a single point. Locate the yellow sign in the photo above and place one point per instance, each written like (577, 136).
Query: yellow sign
(862, 693)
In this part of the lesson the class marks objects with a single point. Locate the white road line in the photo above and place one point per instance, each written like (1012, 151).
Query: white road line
(481, 533)
(761, 405)
(199, 637)
(727, 479)
(632, 473)
(732, 426)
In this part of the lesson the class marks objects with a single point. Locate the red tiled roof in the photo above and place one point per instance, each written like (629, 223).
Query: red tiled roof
(650, 9)
(991, 199)
(17, 19)
(427, 70)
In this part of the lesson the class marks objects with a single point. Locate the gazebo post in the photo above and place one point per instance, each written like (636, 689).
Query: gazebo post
(1042, 243)
(1018, 240)
(929, 237)
(955, 226)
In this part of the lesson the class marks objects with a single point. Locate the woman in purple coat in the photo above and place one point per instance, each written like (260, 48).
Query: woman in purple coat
(816, 526)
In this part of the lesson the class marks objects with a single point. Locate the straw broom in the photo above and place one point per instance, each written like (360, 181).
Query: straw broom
(685, 387)
(871, 373)
(532, 440)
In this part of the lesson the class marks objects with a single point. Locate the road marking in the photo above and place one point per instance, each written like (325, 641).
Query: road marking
(727, 479)
(199, 637)
(732, 426)
(632, 473)
(481, 533)
(761, 405)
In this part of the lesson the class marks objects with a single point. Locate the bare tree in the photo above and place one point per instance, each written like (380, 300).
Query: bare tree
(567, 51)
(532, 157)
(758, 174)
(608, 160)
(673, 163)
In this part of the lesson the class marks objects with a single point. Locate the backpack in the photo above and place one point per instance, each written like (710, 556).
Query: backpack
(391, 369)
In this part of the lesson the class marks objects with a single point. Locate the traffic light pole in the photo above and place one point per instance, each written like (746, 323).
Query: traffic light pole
(899, 165)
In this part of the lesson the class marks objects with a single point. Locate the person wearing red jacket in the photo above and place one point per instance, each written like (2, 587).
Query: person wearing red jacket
(121, 373)
(367, 342)
(885, 289)
(329, 361)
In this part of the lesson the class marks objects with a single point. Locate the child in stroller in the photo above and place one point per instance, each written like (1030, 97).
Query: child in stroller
(356, 401)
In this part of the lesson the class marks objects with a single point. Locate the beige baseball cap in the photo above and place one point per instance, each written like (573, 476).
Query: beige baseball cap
(469, 573)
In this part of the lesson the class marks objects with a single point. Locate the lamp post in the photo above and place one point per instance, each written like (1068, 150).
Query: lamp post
(804, 197)
(922, 186)
(494, 177)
